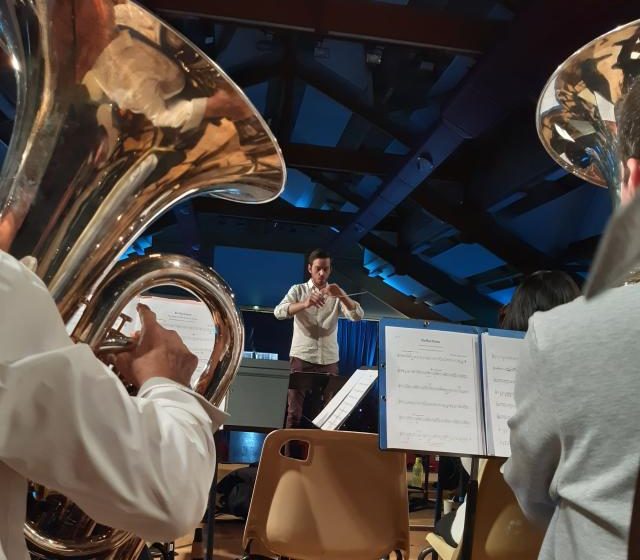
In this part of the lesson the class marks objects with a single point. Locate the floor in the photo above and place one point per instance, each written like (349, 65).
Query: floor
(228, 537)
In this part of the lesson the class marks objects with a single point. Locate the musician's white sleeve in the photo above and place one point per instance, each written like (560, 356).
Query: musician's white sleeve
(143, 464)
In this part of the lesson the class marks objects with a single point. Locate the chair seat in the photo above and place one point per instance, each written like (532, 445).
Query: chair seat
(445, 551)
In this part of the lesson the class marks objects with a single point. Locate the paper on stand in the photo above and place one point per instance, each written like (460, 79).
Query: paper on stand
(346, 399)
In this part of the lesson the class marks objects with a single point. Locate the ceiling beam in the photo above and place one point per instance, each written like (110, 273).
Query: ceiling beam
(256, 70)
(477, 226)
(343, 92)
(6, 131)
(483, 309)
(582, 251)
(385, 293)
(541, 194)
(284, 118)
(355, 19)
(498, 85)
(320, 158)
(514, 163)
(281, 212)
(336, 187)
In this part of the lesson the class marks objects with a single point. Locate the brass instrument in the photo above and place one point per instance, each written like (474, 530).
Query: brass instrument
(118, 119)
(578, 122)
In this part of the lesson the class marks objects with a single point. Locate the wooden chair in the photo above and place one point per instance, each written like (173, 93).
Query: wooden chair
(500, 530)
(345, 500)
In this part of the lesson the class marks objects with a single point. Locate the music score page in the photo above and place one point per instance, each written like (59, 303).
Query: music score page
(499, 363)
(433, 391)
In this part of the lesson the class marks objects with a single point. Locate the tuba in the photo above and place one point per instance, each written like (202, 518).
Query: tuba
(583, 122)
(118, 119)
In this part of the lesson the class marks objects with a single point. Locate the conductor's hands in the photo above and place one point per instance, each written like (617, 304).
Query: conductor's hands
(315, 299)
(158, 352)
(333, 290)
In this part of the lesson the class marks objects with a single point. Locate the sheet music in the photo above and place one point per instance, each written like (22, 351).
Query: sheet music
(500, 362)
(433, 391)
(190, 319)
(346, 399)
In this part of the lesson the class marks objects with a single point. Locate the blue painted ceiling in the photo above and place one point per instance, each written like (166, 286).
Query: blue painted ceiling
(462, 233)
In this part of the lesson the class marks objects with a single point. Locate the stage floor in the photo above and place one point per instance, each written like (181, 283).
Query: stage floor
(228, 537)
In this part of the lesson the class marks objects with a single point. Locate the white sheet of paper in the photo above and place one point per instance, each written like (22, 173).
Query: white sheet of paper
(346, 399)
(500, 362)
(432, 391)
(190, 319)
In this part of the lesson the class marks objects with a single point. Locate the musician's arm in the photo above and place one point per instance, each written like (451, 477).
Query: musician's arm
(141, 464)
(535, 440)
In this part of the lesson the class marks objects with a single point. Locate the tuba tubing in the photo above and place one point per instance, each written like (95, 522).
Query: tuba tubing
(137, 275)
(127, 280)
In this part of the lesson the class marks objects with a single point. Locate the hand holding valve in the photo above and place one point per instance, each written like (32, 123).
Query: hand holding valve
(155, 352)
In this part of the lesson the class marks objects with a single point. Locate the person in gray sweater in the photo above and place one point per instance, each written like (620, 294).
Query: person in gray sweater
(540, 291)
(575, 449)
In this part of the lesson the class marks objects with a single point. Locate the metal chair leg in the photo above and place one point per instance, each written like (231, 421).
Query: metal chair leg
(429, 550)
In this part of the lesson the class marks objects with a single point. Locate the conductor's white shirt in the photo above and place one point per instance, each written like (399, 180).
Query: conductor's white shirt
(143, 464)
(315, 330)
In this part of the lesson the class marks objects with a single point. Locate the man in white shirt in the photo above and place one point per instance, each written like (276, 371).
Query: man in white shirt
(315, 307)
(143, 464)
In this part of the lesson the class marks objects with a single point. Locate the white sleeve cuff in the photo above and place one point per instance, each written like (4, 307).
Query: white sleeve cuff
(162, 386)
(198, 108)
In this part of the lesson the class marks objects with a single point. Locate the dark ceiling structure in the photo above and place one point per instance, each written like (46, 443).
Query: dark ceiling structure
(408, 128)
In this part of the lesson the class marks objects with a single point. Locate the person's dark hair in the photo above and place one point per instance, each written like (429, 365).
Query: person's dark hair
(318, 254)
(628, 117)
(540, 291)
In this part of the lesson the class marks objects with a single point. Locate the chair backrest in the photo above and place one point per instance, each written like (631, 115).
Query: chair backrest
(501, 530)
(347, 499)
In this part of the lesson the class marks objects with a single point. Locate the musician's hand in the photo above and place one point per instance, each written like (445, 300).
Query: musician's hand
(333, 290)
(158, 352)
(315, 299)
(224, 104)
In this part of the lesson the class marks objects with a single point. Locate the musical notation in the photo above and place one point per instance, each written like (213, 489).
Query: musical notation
(501, 356)
(448, 391)
(432, 391)
(189, 318)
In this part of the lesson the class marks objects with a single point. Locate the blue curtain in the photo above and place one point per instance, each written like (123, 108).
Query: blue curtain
(358, 341)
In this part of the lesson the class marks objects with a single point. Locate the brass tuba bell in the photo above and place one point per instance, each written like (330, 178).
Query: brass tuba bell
(582, 123)
(577, 110)
(118, 119)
